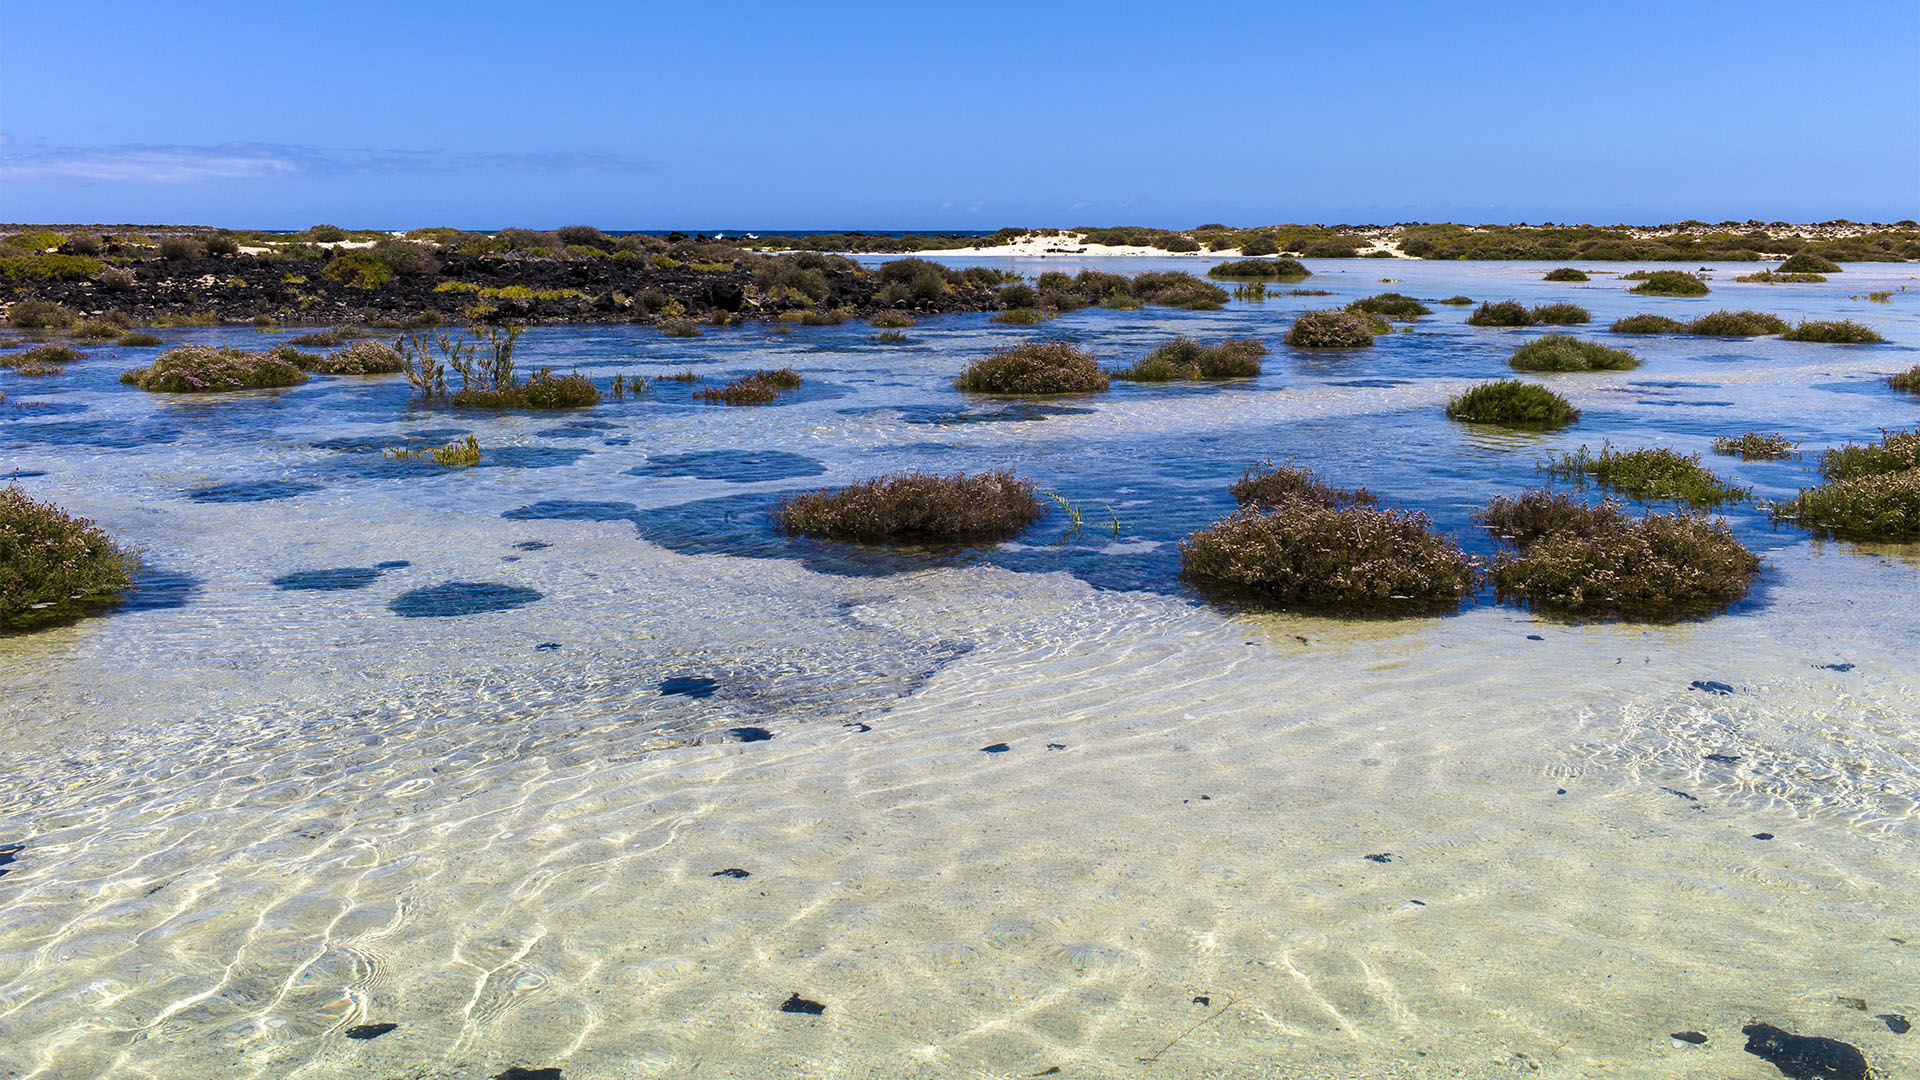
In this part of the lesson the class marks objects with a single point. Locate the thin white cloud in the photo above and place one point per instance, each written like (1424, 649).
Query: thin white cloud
(267, 161)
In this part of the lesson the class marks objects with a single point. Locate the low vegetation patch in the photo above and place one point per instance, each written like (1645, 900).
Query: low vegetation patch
(1775, 277)
(39, 315)
(1020, 316)
(1267, 485)
(40, 360)
(327, 339)
(1736, 324)
(1034, 367)
(1563, 352)
(1561, 314)
(1268, 269)
(138, 338)
(1876, 506)
(1512, 403)
(544, 389)
(1391, 305)
(204, 369)
(1350, 559)
(1806, 262)
(1647, 324)
(1895, 452)
(1501, 313)
(891, 320)
(1457, 301)
(1574, 559)
(54, 567)
(759, 388)
(1172, 288)
(1908, 380)
(1670, 283)
(1755, 446)
(1655, 473)
(915, 508)
(455, 455)
(1565, 273)
(1844, 332)
(360, 358)
(1331, 328)
(1185, 358)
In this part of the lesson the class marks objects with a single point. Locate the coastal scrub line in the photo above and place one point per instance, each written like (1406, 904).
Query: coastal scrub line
(54, 567)
(915, 508)
(1034, 368)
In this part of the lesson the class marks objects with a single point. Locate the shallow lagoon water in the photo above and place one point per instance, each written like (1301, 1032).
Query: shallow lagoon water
(253, 816)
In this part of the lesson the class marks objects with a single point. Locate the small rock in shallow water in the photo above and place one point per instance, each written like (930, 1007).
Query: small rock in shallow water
(996, 748)
(1203, 1000)
(1895, 1023)
(531, 545)
(731, 872)
(693, 686)
(1693, 1037)
(798, 1004)
(547, 646)
(369, 1031)
(1384, 856)
(1835, 667)
(1535, 637)
(515, 1072)
(1805, 1057)
(1763, 836)
(1724, 759)
(750, 734)
(1056, 746)
(1712, 687)
(858, 728)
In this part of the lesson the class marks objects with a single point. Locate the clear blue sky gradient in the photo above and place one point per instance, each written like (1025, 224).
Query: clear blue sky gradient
(969, 116)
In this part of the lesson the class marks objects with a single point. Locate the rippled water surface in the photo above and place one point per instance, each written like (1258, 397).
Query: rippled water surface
(567, 761)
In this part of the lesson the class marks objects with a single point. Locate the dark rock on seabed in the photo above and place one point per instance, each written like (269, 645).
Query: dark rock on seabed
(1806, 1057)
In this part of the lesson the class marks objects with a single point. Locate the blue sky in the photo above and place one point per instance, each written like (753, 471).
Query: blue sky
(967, 116)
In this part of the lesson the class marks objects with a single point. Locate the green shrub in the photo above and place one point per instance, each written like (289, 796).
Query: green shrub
(1755, 446)
(40, 360)
(1457, 301)
(822, 318)
(360, 358)
(1655, 473)
(203, 369)
(915, 508)
(1845, 332)
(891, 320)
(1561, 314)
(1647, 324)
(1670, 283)
(327, 338)
(48, 267)
(1565, 273)
(82, 244)
(1775, 277)
(916, 279)
(1020, 317)
(100, 329)
(324, 234)
(54, 567)
(1391, 305)
(1266, 486)
(1564, 352)
(404, 257)
(1877, 506)
(38, 240)
(1895, 452)
(1330, 328)
(359, 269)
(1172, 288)
(1034, 367)
(1017, 295)
(1185, 358)
(1579, 560)
(1263, 269)
(179, 248)
(1260, 245)
(1347, 559)
(1908, 380)
(890, 336)
(1501, 313)
(759, 388)
(220, 244)
(1512, 403)
(583, 236)
(1736, 324)
(1806, 262)
(137, 339)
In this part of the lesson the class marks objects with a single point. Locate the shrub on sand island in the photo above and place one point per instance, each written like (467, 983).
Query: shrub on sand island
(1654, 473)
(915, 508)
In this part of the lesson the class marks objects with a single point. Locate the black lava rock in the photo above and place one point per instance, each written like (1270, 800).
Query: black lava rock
(1805, 1057)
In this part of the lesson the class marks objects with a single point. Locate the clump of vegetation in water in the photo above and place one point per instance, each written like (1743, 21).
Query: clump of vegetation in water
(1844, 332)
(1561, 314)
(1457, 301)
(1574, 559)
(1670, 283)
(1185, 358)
(1512, 403)
(1655, 473)
(486, 370)
(1873, 492)
(138, 338)
(680, 328)
(1774, 277)
(1020, 316)
(915, 508)
(1565, 273)
(1806, 262)
(1172, 288)
(1896, 451)
(1755, 446)
(53, 566)
(1501, 313)
(454, 455)
(1391, 305)
(759, 388)
(360, 358)
(890, 337)
(1736, 324)
(1266, 269)
(1563, 352)
(1034, 367)
(40, 360)
(39, 315)
(1908, 380)
(327, 339)
(1350, 559)
(1647, 324)
(891, 320)
(204, 369)
(1268, 485)
(1331, 328)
